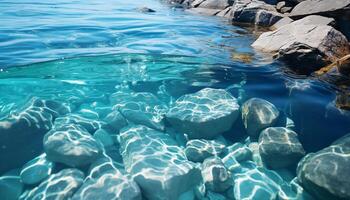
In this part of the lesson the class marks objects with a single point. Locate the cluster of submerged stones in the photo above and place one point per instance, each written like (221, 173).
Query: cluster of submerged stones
(143, 148)
(306, 34)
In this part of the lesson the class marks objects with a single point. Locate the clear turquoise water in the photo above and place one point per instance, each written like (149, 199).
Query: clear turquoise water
(87, 50)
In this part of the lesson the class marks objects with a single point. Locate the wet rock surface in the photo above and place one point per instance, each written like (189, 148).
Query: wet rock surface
(199, 150)
(71, 145)
(258, 114)
(160, 165)
(280, 147)
(36, 170)
(204, 114)
(58, 186)
(105, 181)
(324, 173)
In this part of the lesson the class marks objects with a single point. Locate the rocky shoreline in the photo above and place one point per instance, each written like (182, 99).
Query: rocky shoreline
(307, 35)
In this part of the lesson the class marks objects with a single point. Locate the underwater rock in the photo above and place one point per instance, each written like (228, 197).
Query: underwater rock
(239, 151)
(114, 122)
(105, 181)
(204, 114)
(257, 184)
(36, 170)
(304, 46)
(71, 145)
(61, 185)
(157, 164)
(104, 137)
(279, 147)
(215, 175)
(11, 186)
(293, 191)
(26, 128)
(91, 125)
(198, 150)
(325, 173)
(140, 108)
(258, 114)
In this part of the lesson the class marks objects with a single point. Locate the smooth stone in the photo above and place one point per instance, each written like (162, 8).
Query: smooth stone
(104, 137)
(114, 122)
(157, 164)
(281, 22)
(258, 114)
(11, 186)
(215, 175)
(325, 174)
(204, 114)
(231, 163)
(286, 9)
(254, 147)
(239, 151)
(71, 145)
(215, 196)
(61, 185)
(27, 127)
(329, 7)
(91, 125)
(106, 181)
(280, 5)
(198, 150)
(293, 191)
(142, 108)
(305, 45)
(36, 170)
(280, 147)
(215, 4)
(205, 11)
(257, 184)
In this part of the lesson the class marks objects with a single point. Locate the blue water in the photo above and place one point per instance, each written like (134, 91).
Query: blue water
(87, 50)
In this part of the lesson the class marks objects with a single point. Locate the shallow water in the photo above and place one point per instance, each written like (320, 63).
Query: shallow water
(81, 52)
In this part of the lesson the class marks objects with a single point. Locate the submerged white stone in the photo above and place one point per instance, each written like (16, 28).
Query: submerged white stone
(157, 163)
(204, 114)
(106, 182)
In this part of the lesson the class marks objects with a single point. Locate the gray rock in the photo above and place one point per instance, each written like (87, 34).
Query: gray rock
(140, 108)
(205, 11)
(281, 22)
(11, 186)
(114, 122)
(244, 11)
(303, 46)
(257, 184)
(258, 114)
(310, 7)
(198, 150)
(71, 145)
(91, 125)
(215, 4)
(279, 147)
(58, 186)
(325, 174)
(157, 164)
(286, 9)
(280, 5)
(104, 138)
(204, 114)
(227, 13)
(267, 18)
(215, 175)
(36, 170)
(106, 181)
(27, 127)
(239, 151)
